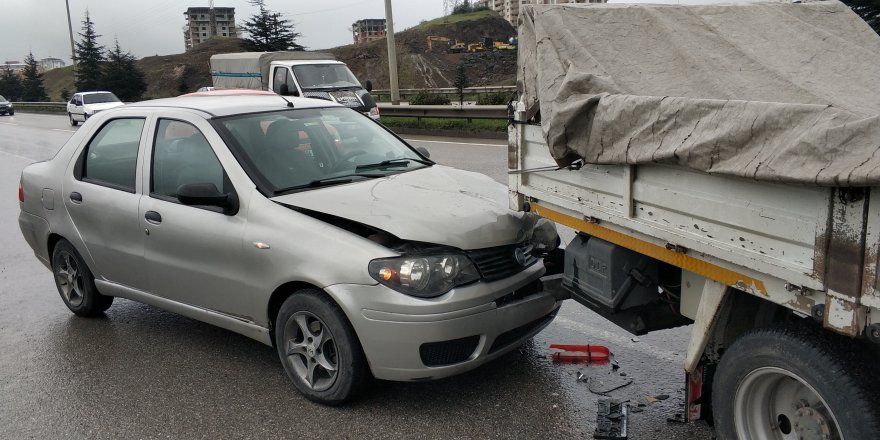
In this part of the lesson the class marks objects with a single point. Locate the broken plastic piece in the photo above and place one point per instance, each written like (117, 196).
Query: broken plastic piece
(580, 353)
(611, 420)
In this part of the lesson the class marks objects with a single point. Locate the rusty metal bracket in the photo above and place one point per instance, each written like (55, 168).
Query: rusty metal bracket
(798, 290)
(676, 248)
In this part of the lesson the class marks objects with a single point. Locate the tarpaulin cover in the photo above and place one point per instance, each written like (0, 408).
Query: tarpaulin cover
(768, 91)
(250, 70)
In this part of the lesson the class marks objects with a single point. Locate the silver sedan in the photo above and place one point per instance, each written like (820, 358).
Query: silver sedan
(301, 224)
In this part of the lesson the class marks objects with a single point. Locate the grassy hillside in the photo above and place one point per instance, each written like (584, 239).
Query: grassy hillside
(417, 68)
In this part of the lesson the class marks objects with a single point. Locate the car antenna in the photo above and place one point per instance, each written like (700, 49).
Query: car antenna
(289, 104)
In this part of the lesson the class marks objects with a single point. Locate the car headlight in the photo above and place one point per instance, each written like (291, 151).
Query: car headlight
(424, 276)
(544, 236)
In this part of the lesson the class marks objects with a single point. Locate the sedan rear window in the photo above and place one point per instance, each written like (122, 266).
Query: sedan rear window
(97, 98)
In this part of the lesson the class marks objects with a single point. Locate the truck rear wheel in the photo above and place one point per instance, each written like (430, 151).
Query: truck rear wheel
(794, 382)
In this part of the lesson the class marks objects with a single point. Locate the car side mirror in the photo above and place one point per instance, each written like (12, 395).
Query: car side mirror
(368, 86)
(283, 90)
(206, 194)
(424, 151)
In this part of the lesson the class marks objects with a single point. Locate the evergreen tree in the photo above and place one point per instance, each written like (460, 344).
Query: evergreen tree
(10, 85)
(65, 94)
(268, 32)
(32, 81)
(460, 83)
(869, 10)
(89, 56)
(122, 76)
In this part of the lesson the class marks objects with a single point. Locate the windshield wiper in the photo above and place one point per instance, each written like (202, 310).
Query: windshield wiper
(392, 162)
(328, 181)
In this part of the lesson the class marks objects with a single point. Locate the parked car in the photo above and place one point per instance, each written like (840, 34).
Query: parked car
(6, 107)
(84, 105)
(205, 89)
(297, 222)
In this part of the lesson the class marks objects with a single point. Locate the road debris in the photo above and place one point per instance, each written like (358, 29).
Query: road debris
(611, 420)
(580, 353)
(605, 392)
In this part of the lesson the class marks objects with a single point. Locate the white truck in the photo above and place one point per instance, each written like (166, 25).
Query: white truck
(307, 74)
(719, 165)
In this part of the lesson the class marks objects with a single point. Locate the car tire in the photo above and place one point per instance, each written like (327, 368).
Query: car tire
(72, 122)
(75, 282)
(796, 381)
(12, 113)
(314, 337)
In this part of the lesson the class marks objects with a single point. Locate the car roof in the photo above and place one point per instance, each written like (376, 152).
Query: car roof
(230, 92)
(219, 105)
(93, 92)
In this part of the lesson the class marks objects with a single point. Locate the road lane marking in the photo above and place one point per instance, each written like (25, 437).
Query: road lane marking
(18, 156)
(63, 129)
(455, 143)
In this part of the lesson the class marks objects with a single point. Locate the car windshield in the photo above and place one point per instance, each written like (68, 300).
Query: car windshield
(2, 99)
(97, 98)
(323, 76)
(302, 149)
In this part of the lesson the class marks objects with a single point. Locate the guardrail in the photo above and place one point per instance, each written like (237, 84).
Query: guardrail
(47, 107)
(448, 90)
(416, 111)
(445, 111)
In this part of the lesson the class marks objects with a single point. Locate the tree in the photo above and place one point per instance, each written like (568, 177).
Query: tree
(89, 56)
(460, 83)
(268, 32)
(122, 76)
(65, 94)
(10, 85)
(869, 10)
(32, 89)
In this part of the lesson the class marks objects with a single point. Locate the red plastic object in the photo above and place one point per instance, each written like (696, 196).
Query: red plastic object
(580, 353)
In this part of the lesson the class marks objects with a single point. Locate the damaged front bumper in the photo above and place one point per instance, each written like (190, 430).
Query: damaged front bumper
(408, 339)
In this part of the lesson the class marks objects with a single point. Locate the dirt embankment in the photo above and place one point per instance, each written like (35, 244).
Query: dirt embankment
(420, 68)
(166, 75)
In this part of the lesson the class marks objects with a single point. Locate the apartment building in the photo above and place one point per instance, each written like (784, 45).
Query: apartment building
(509, 9)
(51, 63)
(208, 22)
(368, 29)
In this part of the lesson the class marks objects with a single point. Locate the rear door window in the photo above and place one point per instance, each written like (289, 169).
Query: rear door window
(110, 158)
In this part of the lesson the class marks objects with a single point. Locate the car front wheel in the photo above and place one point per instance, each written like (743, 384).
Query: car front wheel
(72, 122)
(319, 349)
(75, 282)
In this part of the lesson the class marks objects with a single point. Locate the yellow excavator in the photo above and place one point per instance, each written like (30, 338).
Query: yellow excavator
(476, 47)
(436, 38)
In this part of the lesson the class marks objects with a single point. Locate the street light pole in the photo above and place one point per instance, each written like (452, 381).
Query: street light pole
(70, 30)
(392, 54)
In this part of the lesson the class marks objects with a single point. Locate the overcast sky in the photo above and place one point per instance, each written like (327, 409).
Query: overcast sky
(151, 27)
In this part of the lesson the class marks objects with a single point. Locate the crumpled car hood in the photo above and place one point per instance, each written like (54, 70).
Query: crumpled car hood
(439, 205)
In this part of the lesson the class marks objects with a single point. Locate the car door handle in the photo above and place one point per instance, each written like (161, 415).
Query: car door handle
(76, 197)
(153, 217)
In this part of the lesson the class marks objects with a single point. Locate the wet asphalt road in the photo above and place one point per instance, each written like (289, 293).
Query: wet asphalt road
(141, 372)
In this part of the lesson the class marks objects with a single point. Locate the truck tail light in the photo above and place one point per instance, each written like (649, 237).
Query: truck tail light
(20, 192)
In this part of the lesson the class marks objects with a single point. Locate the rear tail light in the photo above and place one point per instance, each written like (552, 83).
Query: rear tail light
(20, 192)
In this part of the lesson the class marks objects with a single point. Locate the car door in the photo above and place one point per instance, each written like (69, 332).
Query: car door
(79, 108)
(100, 193)
(193, 254)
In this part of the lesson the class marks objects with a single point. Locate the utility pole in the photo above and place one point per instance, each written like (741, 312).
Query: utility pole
(392, 54)
(70, 30)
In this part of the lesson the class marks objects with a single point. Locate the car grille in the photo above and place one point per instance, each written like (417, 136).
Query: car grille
(513, 336)
(501, 262)
(436, 354)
